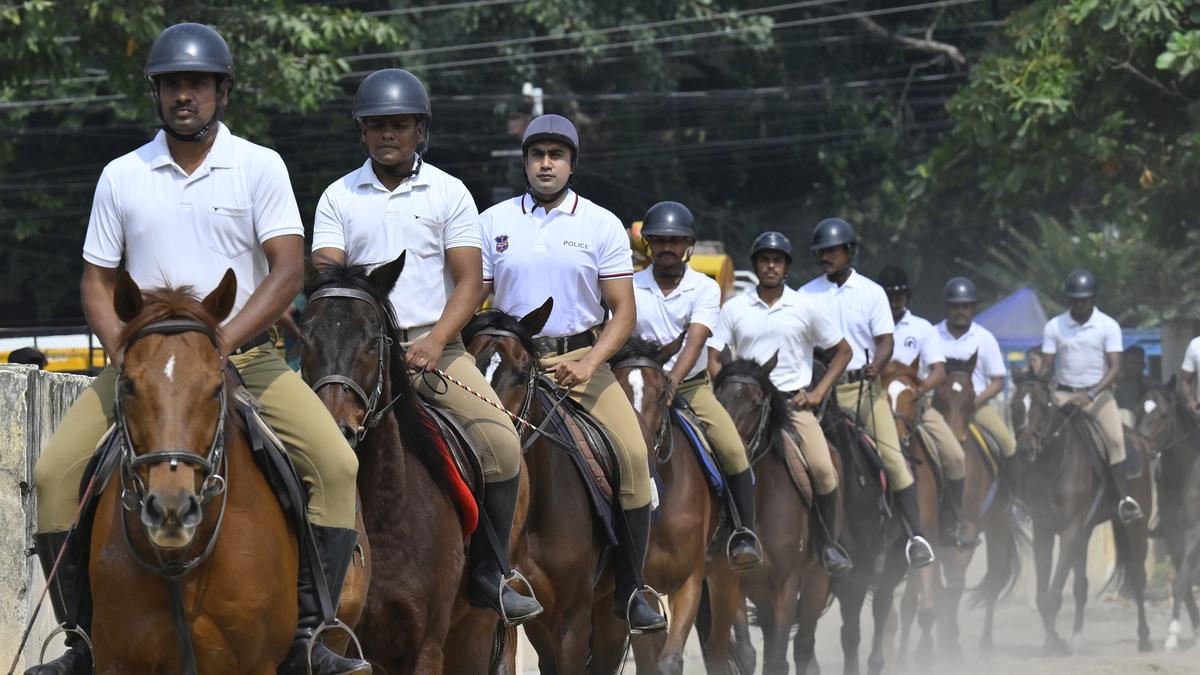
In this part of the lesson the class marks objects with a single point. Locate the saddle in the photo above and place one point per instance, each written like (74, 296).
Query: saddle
(693, 429)
(797, 466)
(465, 470)
(989, 447)
(590, 448)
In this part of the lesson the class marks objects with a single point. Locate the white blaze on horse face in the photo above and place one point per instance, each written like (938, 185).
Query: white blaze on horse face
(1027, 401)
(1149, 406)
(169, 369)
(638, 384)
(492, 366)
(895, 388)
(957, 387)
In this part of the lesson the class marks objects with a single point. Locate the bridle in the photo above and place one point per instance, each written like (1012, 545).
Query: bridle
(755, 447)
(384, 341)
(531, 375)
(663, 435)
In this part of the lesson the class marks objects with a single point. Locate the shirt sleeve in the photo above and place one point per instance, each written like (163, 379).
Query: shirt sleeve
(991, 360)
(1191, 357)
(104, 243)
(329, 230)
(931, 348)
(708, 304)
(722, 332)
(1113, 340)
(615, 256)
(274, 204)
(881, 313)
(822, 331)
(461, 218)
(489, 251)
(1050, 338)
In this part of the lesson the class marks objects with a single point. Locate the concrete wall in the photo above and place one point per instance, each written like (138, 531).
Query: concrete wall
(31, 404)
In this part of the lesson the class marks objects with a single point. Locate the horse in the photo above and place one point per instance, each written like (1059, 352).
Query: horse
(789, 587)
(1173, 433)
(562, 548)
(900, 381)
(983, 509)
(403, 480)
(193, 563)
(686, 521)
(1068, 496)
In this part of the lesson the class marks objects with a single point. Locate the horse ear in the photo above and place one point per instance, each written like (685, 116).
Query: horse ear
(1017, 374)
(971, 362)
(670, 349)
(915, 362)
(384, 277)
(127, 297)
(771, 363)
(726, 356)
(219, 303)
(536, 320)
(311, 270)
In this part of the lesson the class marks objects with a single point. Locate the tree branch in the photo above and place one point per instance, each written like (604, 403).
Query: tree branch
(920, 44)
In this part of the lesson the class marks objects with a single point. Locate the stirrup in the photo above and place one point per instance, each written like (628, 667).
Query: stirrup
(754, 540)
(1134, 510)
(70, 630)
(918, 540)
(505, 580)
(336, 624)
(658, 600)
(841, 550)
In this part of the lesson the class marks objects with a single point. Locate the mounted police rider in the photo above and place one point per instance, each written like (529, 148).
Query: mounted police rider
(1082, 347)
(866, 321)
(915, 342)
(961, 339)
(552, 242)
(774, 321)
(397, 202)
(179, 211)
(673, 298)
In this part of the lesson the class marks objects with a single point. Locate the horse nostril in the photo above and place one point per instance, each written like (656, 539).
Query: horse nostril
(152, 512)
(192, 512)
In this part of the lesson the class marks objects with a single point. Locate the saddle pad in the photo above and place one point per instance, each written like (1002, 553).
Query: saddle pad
(703, 449)
(462, 466)
(989, 446)
(1135, 455)
(793, 457)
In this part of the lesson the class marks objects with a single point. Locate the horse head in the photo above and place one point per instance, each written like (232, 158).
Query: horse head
(955, 396)
(638, 367)
(347, 332)
(900, 381)
(505, 351)
(1033, 414)
(171, 404)
(757, 407)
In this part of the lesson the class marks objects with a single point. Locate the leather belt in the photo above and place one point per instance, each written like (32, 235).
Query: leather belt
(1072, 390)
(414, 333)
(256, 341)
(853, 376)
(696, 378)
(557, 346)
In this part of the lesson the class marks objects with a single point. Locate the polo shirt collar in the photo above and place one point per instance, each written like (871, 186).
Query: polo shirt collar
(787, 299)
(850, 282)
(569, 206)
(944, 326)
(645, 279)
(220, 155)
(1075, 324)
(366, 177)
(904, 317)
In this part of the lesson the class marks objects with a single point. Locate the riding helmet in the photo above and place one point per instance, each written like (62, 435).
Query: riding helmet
(893, 279)
(552, 128)
(1081, 283)
(668, 219)
(833, 232)
(771, 241)
(959, 290)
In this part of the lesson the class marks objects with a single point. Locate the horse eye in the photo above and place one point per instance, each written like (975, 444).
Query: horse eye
(127, 387)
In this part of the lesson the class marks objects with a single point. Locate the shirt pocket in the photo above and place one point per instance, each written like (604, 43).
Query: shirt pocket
(230, 230)
(421, 236)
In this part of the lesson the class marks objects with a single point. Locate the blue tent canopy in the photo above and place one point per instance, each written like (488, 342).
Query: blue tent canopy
(1017, 321)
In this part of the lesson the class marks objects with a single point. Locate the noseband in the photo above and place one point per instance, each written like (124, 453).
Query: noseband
(755, 447)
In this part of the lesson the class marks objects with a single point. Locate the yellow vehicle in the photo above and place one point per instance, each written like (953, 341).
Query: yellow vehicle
(708, 256)
(73, 353)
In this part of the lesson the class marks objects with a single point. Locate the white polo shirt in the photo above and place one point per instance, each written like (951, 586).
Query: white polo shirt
(977, 341)
(1080, 348)
(793, 327)
(916, 340)
(861, 309)
(530, 255)
(661, 318)
(1191, 359)
(425, 215)
(173, 229)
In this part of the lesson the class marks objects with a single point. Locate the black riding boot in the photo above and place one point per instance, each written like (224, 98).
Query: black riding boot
(834, 558)
(918, 551)
(336, 548)
(950, 517)
(488, 588)
(744, 550)
(1128, 510)
(633, 540)
(1010, 478)
(70, 596)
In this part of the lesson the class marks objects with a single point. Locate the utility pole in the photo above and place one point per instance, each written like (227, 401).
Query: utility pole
(535, 97)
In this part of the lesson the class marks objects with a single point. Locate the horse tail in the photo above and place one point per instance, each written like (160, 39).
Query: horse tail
(1000, 580)
(1124, 572)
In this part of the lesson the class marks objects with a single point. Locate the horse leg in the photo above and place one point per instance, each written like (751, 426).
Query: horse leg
(1183, 588)
(782, 612)
(814, 594)
(1080, 590)
(1139, 547)
(725, 607)
(881, 609)
(1001, 549)
(544, 635)
(742, 645)
(1050, 598)
(851, 600)
(430, 659)
(908, 613)
(954, 567)
(928, 589)
(607, 649)
(685, 603)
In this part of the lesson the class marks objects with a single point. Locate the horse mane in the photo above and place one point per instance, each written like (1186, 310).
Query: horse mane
(958, 366)
(494, 318)
(779, 416)
(636, 347)
(160, 304)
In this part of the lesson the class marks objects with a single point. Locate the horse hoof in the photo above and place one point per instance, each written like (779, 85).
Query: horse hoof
(671, 664)
(1172, 643)
(1145, 645)
(1056, 647)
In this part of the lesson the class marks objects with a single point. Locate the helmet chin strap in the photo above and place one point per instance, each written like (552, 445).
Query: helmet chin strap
(394, 171)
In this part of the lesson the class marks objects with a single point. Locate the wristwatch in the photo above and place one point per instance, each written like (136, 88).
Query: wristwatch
(1090, 395)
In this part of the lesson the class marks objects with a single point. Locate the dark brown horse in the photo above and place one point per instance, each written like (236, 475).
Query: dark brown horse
(411, 519)
(1069, 495)
(198, 522)
(1173, 433)
(561, 549)
(685, 522)
(790, 587)
(984, 509)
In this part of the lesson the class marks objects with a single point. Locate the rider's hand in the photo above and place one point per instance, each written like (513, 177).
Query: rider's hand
(425, 353)
(870, 370)
(672, 390)
(806, 400)
(572, 373)
(1080, 399)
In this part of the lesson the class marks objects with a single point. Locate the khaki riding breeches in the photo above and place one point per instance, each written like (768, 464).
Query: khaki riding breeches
(869, 402)
(492, 435)
(946, 448)
(815, 450)
(726, 441)
(1104, 410)
(603, 397)
(323, 459)
(989, 418)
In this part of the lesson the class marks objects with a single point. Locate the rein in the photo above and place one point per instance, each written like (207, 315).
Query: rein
(755, 449)
(664, 427)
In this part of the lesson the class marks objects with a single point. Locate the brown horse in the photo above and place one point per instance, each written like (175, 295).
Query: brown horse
(790, 587)
(412, 521)
(1069, 495)
(198, 540)
(686, 521)
(561, 550)
(984, 508)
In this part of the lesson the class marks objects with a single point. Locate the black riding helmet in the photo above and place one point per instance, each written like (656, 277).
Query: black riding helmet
(194, 48)
(959, 290)
(833, 232)
(394, 91)
(771, 241)
(893, 279)
(1080, 283)
(668, 219)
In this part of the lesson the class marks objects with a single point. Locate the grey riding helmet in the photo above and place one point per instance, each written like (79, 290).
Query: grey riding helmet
(959, 290)
(1080, 283)
(771, 241)
(668, 219)
(188, 48)
(552, 128)
(393, 91)
(833, 232)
